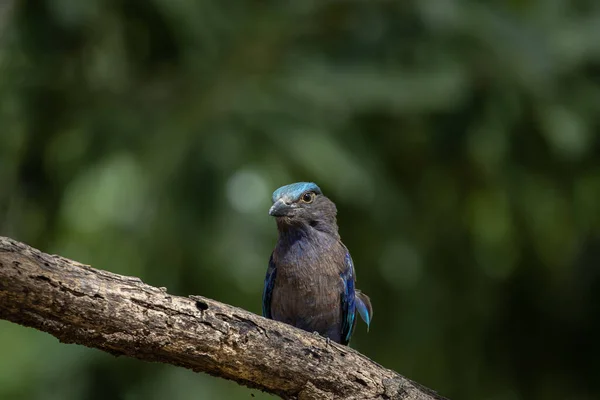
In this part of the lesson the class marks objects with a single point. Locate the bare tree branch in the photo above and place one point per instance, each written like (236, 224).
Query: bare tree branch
(124, 316)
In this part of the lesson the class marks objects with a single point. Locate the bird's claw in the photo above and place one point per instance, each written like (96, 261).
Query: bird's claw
(327, 340)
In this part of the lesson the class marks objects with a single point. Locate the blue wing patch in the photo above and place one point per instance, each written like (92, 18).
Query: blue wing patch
(268, 289)
(348, 300)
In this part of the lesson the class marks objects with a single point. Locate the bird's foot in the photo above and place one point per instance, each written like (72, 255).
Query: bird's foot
(327, 340)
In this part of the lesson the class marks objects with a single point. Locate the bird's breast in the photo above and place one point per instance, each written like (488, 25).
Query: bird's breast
(308, 287)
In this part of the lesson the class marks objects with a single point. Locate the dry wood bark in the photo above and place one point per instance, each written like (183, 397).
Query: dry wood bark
(124, 316)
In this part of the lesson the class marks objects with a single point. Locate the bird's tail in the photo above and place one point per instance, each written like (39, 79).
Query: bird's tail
(364, 308)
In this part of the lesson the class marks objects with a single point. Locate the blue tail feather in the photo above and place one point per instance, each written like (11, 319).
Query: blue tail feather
(363, 306)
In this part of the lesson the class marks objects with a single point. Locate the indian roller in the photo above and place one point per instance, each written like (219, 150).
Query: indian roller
(310, 281)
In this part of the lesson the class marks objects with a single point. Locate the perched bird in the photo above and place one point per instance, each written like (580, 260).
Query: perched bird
(310, 279)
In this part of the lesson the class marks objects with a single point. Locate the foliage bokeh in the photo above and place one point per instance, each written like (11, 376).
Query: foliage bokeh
(458, 139)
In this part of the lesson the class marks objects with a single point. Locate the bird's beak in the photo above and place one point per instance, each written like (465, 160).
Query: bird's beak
(279, 209)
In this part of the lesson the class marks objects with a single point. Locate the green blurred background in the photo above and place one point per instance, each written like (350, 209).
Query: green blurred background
(459, 141)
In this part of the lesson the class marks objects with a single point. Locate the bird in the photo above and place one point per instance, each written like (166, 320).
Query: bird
(310, 279)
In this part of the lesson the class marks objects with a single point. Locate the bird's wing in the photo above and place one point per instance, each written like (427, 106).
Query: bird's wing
(268, 289)
(348, 300)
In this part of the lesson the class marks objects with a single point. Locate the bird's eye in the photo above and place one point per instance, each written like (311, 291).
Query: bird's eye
(308, 197)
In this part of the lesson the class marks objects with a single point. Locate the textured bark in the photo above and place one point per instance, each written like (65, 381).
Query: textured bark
(124, 316)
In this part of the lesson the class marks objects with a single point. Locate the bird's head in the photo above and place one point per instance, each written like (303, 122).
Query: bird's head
(302, 203)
